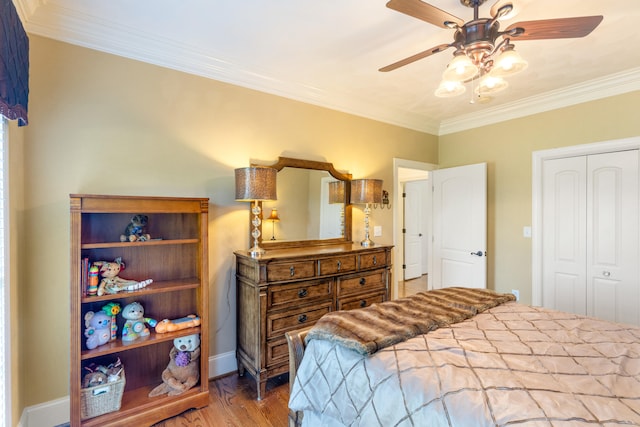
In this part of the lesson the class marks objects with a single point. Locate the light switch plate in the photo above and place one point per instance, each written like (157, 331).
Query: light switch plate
(377, 230)
(526, 231)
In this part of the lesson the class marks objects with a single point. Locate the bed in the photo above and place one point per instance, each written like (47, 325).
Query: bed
(462, 357)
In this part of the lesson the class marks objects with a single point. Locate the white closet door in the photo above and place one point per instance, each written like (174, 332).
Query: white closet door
(564, 242)
(613, 289)
(590, 245)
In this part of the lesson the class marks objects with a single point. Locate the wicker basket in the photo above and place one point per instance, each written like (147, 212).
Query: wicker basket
(101, 399)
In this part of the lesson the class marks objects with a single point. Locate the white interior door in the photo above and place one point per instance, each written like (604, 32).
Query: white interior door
(413, 213)
(613, 291)
(459, 227)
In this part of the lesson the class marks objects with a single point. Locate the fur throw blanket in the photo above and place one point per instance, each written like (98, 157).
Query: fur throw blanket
(367, 330)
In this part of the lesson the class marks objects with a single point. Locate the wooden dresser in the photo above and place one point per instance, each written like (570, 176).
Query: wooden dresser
(291, 288)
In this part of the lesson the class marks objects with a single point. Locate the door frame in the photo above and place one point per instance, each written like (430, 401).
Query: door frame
(398, 246)
(538, 158)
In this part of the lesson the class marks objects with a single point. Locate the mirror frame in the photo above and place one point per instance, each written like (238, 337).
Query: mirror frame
(288, 162)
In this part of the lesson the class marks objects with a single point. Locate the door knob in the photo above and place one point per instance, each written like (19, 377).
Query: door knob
(479, 253)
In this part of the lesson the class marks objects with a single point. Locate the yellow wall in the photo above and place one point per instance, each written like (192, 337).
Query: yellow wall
(106, 124)
(507, 148)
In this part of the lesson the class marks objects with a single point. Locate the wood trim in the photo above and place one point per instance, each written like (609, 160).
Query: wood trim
(296, 344)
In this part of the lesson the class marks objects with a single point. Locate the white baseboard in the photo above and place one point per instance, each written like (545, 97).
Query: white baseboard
(221, 364)
(56, 412)
(47, 414)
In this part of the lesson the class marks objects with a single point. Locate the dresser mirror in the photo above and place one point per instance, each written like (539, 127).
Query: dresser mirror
(312, 207)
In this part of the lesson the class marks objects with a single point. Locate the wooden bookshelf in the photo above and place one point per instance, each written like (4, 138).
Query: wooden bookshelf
(176, 258)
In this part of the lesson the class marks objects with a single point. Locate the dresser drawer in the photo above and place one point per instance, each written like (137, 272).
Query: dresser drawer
(343, 264)
(364, 282)
(277, 351)
(278, 271)
(373, 260)
(279, 323)
(361, 301)
(299, 293)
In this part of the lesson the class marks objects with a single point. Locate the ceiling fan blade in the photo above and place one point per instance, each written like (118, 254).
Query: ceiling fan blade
(561, 28)
(424, 11)
(415, 57)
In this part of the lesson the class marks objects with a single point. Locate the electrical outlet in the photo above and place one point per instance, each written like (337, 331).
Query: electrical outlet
(377, 230)
(516, 293)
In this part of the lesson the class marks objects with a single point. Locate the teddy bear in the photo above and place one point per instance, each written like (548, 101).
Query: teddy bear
(135, 231)
(111, 283)
(97, 329)
(183, 370)
(134, 326)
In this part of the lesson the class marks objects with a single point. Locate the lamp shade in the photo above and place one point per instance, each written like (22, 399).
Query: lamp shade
(256, 183)
(274, 215)
(448, 89)
(489, 85)
(508, 63)
(366, 191)
(460, 69)
(336, 192)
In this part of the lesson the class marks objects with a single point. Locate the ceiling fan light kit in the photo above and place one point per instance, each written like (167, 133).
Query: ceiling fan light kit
(483, 52)
(508, 63)
(447, 89)
(490, 85)
(460, 69)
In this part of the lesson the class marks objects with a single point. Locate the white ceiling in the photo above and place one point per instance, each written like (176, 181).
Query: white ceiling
(328, 52)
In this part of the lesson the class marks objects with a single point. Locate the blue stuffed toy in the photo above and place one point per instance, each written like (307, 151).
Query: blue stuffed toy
(97, 329)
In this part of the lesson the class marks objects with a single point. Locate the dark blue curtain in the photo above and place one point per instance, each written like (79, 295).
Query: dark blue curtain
(14, 65)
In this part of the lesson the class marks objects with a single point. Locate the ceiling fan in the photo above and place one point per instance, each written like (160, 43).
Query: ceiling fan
(482, 50)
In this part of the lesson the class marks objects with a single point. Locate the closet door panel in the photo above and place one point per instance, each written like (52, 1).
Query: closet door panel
(613, 291)
(564, 240)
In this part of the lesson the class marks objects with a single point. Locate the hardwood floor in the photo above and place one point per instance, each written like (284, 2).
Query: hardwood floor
(232, 404)
(410, 287)
(232, 398)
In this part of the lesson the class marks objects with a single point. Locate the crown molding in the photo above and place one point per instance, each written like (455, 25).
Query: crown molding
(614, 84)
(90, 32)
(26, 8)
(94, 33)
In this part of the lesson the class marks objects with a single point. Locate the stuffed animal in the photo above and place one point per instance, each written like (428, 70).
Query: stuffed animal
(183, 370)
(111, 283)
(134, 327)
(98, 329)
(172, 325)
(135, 231)
(100, 374)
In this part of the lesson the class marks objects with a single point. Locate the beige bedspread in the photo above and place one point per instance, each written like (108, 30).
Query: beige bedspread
(510, 365)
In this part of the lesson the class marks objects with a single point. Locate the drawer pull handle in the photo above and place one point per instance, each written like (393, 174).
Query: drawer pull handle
(339, 265)
(375, 260)
(302, 293)
(292, 271)
(363, 303)
(363, 281)
(302, 318)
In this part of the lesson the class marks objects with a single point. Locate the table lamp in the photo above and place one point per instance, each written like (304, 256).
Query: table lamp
(366, 191)
(254, 184)
(273, 218)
